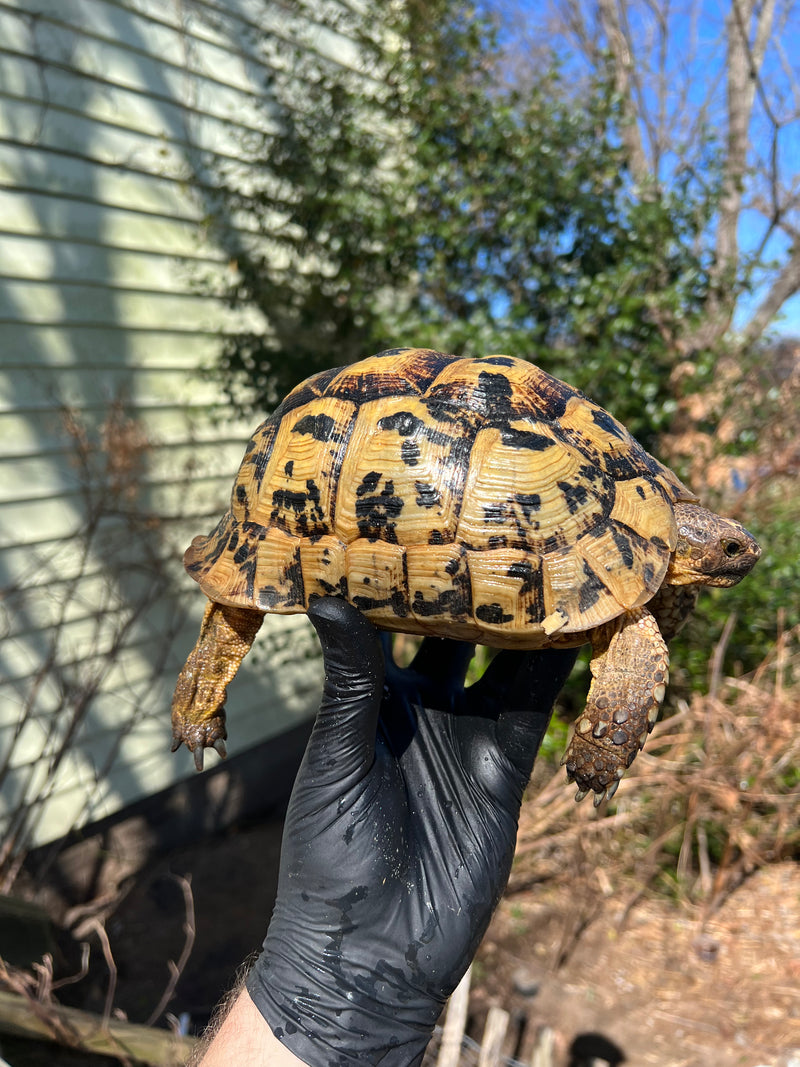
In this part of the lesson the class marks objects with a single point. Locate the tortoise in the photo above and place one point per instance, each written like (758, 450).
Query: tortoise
(480, 499)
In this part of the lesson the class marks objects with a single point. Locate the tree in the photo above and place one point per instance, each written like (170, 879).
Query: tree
(416, 197)
(694, 80)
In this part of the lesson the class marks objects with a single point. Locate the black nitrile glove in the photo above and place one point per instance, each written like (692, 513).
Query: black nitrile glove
(398, 840)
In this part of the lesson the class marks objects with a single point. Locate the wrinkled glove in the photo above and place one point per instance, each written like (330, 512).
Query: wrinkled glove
(398, 839)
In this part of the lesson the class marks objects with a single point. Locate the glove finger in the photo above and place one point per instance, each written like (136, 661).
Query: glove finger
(528, 694)
(443, 663)
(343, 739)
(518, 690)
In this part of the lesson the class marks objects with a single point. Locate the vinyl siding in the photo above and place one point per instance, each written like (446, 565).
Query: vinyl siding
(112, 113)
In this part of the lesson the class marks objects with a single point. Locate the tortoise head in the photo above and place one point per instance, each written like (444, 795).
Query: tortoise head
(711, 550)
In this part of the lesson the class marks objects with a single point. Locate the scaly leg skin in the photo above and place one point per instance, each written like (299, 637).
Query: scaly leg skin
(198, 711)
(630, 669)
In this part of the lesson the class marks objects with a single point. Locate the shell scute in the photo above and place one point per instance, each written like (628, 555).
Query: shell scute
(507, 586)
(402, 477)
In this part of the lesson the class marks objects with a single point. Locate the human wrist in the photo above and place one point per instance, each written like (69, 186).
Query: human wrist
(245, 1038)
(343, 1012)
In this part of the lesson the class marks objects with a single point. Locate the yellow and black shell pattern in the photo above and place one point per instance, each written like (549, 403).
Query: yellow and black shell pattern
(480, 499)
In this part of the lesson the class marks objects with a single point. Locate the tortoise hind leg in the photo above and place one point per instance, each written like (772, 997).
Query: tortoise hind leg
(198, 705)
(630, 669)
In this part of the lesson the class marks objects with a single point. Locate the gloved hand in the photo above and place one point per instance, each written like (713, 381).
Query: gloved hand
(398, 839)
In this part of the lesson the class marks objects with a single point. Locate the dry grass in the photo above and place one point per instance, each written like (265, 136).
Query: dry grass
(714, 796)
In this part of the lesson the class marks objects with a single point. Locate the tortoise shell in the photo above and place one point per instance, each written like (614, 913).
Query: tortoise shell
(480, 499)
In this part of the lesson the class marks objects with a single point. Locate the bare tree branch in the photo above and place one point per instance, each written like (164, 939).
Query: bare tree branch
(786, 284)
(624, 66)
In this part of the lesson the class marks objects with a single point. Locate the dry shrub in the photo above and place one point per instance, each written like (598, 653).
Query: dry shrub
(714, 796)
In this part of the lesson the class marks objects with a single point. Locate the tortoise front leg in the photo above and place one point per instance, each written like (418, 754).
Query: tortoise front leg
(630, 669)
(198, 711)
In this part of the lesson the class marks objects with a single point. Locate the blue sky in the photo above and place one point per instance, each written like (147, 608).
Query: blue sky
(694, 61)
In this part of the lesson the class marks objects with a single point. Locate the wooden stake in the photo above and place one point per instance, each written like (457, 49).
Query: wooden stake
(493, 1037)
(24, 1018)
(455, 1023)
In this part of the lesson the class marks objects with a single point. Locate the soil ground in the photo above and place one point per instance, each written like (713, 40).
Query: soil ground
(651, 985)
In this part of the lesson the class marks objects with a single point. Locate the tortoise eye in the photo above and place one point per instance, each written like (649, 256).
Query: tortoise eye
(732, 548)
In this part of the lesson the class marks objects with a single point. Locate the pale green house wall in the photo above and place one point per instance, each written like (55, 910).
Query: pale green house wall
(111, 112)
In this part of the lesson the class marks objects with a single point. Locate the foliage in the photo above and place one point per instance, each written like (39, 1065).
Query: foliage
(428, 203)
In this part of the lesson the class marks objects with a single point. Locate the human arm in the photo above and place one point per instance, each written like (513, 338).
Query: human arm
(398, 844)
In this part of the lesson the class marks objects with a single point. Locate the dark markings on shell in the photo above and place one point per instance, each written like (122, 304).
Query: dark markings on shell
(304, 393)
(591, 589)
(270, 597)
(410, 453)
(531, 589)
(493, 396)
(606, 422)
(320, 427)
(575, 494)
(427, 495)
(396, 601)
(529, 503)
(623, 544)
(435, 537)
(293, 578)
(446, 412)
(641, 492)
(626, 464)
(288, 468)
(492, 614)
(499, 361)
(376, 513)
(260, 448)
(219, 539)
(449, 602)
(299, 512)
(247, 568)
(361, 387)
(495, 513)
(536, 442)
(402, 422)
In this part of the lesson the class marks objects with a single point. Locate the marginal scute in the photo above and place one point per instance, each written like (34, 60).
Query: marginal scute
(438, 582)
(507, 586)
(324, 566)
(630, 571)
(376, 578)
(278, 577)
(641, 507)
(575, 592)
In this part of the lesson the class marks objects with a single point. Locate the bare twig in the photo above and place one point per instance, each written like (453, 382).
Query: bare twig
(177, 969)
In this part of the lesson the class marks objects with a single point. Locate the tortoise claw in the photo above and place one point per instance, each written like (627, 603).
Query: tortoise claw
(199, 755)
(219, 747)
